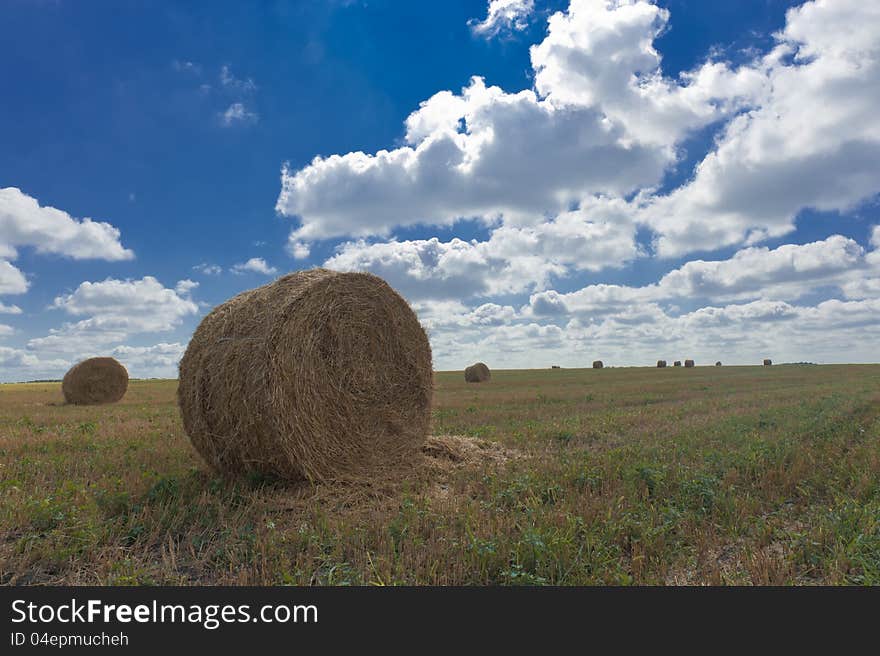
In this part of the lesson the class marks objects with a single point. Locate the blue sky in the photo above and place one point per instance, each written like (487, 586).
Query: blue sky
(546, 182)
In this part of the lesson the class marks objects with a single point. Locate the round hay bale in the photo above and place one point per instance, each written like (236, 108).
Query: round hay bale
(661, 364)
(597, 364)
(318, 375)
(677, 363)
(95, 381)
(688, 363)
(718, 364)
(477, 373)
(555, 366)
(767, 362)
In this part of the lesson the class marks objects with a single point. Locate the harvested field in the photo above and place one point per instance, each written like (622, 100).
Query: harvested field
(747, 475)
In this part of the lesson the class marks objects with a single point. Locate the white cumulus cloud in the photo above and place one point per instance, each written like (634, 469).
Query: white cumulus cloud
(517, 157)
(255, 265)
(514, 259)
(114, 310)
(504, 15)
(23, 222)
(156, 361)
(602, 120)
(812, 142)
(788, 272)
(185, 287)
(600, 53)
(12, 280)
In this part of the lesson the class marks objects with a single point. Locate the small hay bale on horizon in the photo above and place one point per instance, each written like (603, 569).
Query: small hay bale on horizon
(477, 373)
(767, 362)
(597, 364)
(95, 381)
(555, 366)
(688, 363)
(661, 364)
(677, 363)
(718, 364)
(319, 375)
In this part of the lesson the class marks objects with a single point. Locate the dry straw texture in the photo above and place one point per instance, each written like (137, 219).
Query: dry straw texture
(768, 362)
(688, 363)
(661, 364)
(94, 381)
(597, 364)
(319, 375)
(477, 373)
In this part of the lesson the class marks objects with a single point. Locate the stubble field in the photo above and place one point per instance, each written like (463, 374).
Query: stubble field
(740, 475)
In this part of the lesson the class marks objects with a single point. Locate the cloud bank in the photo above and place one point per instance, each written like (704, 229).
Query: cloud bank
(567, 179)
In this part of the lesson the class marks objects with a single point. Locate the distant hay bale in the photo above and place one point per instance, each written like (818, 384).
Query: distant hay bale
(555, 366)
(688, 363)
(677, 363)
(95, 381)
(661, 364)
(718, 364)
(318, 375)
(767, 362)
(477, 373)
(597, 364)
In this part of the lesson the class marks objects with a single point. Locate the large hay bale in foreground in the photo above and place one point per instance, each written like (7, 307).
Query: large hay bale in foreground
(95, 381)
(597, 364)
(688, 363)
(677, 363)
(477, 373)
(768, 362)
(319, 375)
(661, 364)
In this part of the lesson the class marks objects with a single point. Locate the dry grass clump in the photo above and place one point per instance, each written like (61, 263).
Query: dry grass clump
(688, 363)
(477, 373)
(597, 364)
(661, 364)
(444, 455)
(429, 471)
(94, 381)
(767, 362)
(319, 375)
(459, 450)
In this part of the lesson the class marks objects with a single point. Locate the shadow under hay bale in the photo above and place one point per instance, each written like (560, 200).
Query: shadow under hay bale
(597, 364)
(661, 364)
(688, 363)
(95, 381)
(477, 373)
(318, 375)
